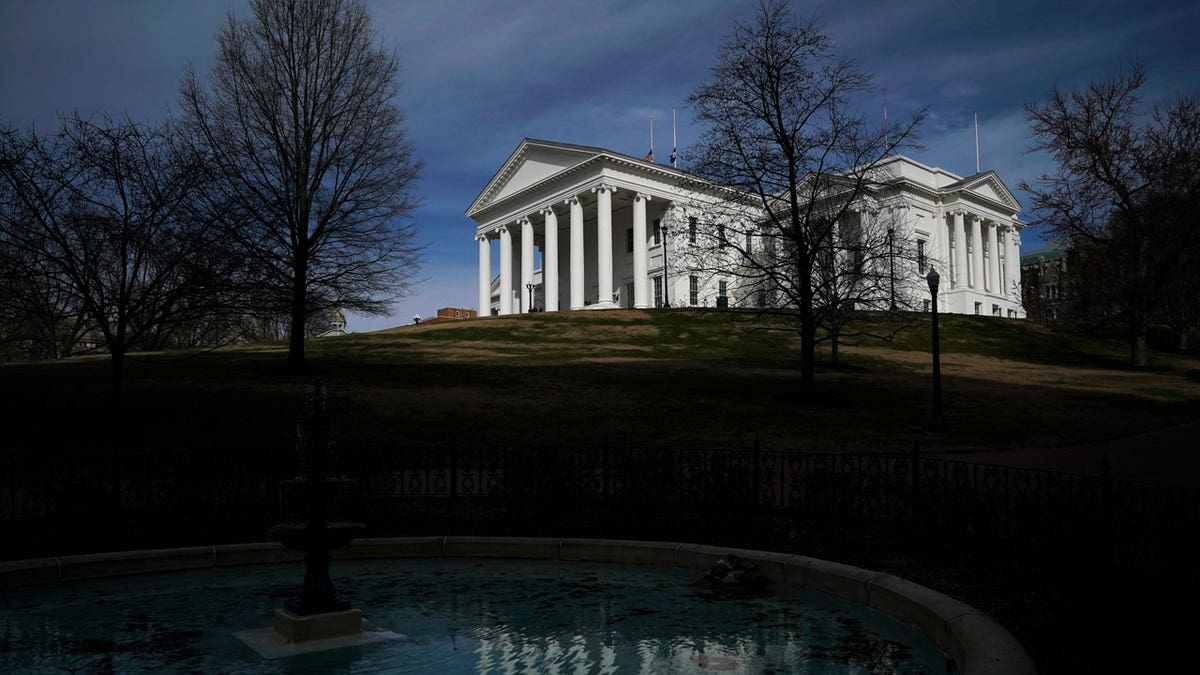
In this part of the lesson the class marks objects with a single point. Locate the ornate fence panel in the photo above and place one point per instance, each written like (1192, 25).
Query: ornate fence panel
(629, 490)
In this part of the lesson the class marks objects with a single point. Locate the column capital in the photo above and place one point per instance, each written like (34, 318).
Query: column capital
(572, 200)
(603, 187)
(502, 229)
(481, 237)
(522, 220)
(547, 211)
(642, 195)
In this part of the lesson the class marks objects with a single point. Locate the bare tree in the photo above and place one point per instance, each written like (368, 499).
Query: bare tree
(298, 119)
(40, 316)
(782, 127)
(1127, 184)
(102, 213)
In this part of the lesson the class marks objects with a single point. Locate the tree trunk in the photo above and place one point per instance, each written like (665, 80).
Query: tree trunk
(299, 316)
(808, 358)
(808, 343)
(117, 372)
(1137, 342)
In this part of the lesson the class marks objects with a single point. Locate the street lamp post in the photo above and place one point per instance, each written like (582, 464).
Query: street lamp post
(937, 421)
(891, 271)
(529, 287)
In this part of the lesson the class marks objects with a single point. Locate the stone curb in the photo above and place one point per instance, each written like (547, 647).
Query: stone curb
(978, 645)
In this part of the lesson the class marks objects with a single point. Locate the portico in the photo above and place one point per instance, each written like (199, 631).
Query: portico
(982, 248)
(608, 208)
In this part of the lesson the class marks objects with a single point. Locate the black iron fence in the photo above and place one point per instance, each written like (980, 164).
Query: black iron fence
(754, 497)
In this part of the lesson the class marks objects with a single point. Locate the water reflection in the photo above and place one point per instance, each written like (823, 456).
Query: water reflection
(457, 616)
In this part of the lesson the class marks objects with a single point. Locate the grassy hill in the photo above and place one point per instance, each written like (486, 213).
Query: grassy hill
(664, 378)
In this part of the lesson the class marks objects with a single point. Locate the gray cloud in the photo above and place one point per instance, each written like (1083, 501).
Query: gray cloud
(479, 75)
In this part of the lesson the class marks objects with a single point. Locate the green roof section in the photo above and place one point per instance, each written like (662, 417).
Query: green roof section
(1053, 251)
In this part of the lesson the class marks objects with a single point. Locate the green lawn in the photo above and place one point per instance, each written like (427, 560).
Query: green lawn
(666, 378)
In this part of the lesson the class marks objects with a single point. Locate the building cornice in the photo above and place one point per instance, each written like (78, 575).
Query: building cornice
(484, 202)
(564, 184)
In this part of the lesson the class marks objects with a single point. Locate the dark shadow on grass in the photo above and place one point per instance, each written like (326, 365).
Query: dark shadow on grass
(814, 399)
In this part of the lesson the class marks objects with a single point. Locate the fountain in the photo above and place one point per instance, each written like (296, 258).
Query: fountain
(316, 618)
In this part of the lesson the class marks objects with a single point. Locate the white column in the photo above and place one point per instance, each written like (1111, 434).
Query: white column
(960, 252)
(641, 252)
(976, 253)
(1013, 241)
(576, 252)
(485, 275)
(550, 261)
(940, 245)
(667, 229)
(604, 259)
(505, 270)
(835, 245)
(526, 263)
(994, 252)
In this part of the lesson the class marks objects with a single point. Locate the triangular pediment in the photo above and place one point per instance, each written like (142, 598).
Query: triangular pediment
(989, 186)
(532, 162)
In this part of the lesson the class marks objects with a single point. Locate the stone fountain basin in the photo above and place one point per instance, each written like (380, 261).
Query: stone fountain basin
(303, 537)
(977, 643)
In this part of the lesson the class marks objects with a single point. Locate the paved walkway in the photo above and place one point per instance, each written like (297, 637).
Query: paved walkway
(1169, 455)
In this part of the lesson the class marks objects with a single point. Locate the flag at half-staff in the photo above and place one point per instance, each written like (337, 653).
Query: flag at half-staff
(674, 143)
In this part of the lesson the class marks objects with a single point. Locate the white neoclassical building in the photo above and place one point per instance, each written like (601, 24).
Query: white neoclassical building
(582, 227)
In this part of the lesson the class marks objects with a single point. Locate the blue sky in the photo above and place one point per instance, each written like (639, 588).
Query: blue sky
(480, 75)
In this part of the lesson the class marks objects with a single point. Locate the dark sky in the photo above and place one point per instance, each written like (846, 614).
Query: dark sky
(480, 75)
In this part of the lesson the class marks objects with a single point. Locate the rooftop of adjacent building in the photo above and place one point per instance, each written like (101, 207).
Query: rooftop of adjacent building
(1052, 250)
(452, 314)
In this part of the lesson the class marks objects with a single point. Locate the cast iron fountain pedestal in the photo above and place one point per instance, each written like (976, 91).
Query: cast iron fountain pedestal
(317, 612)
(316, 619)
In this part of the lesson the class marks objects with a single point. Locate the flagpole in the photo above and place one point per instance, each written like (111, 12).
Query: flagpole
(674, 143)
(885, 126)
(652, 134)
(976, 142)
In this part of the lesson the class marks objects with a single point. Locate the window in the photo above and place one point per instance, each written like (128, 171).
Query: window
(995, 310)
(749, 242)
(925, 306)
(457, 313)
(693, 289)
(857, 256)
(978, 308)
(629, 240)
(657, 231)
(1012, 313)
(920, 254)
(658, 289)
(762, 299)
(721, 242)
(722, 294)
(692, 232)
